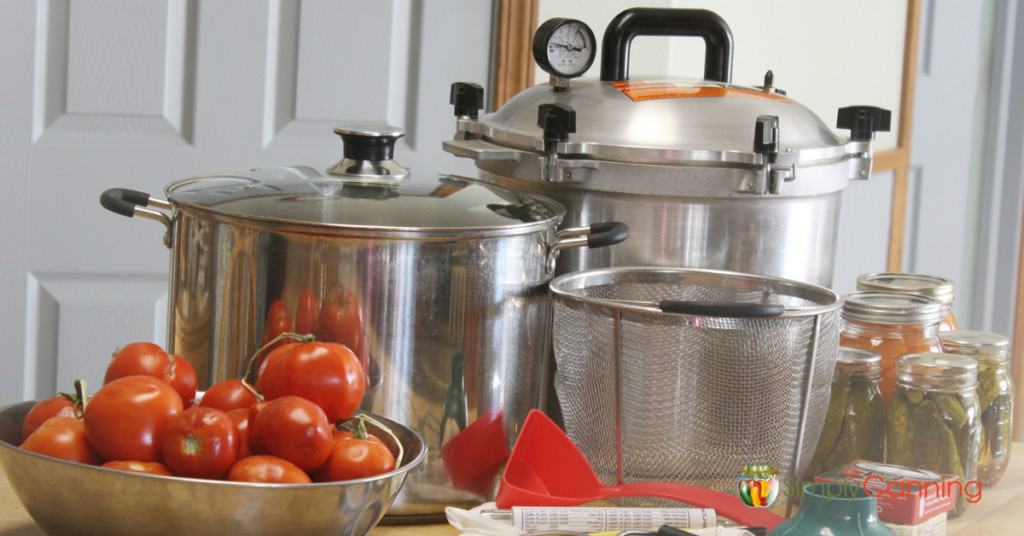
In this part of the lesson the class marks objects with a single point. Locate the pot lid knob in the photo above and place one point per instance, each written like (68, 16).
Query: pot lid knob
(369, 152)
(557, 121)
(467, 98)
(864, 121)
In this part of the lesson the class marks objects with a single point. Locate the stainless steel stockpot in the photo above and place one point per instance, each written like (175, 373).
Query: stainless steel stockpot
(438, 283)
(706, 173)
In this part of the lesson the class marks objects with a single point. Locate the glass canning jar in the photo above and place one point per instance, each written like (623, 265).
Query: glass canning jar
(854, 423)
(891, 325)
(933, 419)
(940, 288)
(995, 396)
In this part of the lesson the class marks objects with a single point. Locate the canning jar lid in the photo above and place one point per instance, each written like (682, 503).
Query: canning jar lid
(930, 370)
(859, 362)
(368, 192)
(940, 288)
(892, 308)
(982, 345)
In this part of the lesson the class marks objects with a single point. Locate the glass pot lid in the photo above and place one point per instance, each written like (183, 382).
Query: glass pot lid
(367, 190)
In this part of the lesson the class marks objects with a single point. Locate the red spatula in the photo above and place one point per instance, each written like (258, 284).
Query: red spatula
(546, 469)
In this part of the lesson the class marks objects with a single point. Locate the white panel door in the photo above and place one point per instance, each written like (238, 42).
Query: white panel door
(96, 94)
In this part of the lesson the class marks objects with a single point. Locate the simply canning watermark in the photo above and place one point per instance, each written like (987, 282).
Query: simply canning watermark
(760, 486)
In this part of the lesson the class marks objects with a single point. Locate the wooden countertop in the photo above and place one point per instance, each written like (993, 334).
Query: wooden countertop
(999, 513)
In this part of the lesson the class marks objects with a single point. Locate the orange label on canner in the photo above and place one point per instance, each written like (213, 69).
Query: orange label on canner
(642, 90)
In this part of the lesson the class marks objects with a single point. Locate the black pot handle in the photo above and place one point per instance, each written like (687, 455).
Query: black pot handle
(132, 203)
(672, 22)
(731, 310)
(607, 233)
(123, 201)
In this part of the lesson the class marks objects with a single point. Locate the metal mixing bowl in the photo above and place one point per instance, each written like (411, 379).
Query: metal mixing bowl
(71, 498)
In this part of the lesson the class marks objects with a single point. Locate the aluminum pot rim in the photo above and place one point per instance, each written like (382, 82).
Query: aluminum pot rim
(398, 471)
(561, 292)
(356, 230)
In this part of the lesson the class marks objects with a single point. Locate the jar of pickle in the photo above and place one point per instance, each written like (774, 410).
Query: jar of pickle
(940, 288)
(933, 420)
(854, 424)
(995, 396)
(891, 325)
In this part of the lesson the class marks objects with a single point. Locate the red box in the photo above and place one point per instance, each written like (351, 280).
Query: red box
(905, 496)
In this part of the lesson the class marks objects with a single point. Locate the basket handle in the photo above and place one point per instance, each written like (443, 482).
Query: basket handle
(731, 310)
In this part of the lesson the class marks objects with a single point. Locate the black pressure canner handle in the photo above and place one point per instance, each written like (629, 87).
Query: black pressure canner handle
(667, 22)
(730, 310)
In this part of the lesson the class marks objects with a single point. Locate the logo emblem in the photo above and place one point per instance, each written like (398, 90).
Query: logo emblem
(758, 485)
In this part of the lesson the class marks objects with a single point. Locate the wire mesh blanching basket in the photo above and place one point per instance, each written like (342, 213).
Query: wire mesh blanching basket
(738, 372)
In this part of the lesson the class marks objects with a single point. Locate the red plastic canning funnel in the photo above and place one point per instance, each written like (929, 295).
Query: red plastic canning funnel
(546, 469)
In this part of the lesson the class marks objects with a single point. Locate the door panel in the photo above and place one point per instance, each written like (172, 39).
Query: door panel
(137, 94)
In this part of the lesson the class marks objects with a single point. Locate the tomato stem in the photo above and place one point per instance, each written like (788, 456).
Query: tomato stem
(359, 430)
(81, 398)
(299, 337)
(252, 389)
(362, 418)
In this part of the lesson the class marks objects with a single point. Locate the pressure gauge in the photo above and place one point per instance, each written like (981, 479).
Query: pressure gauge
(565, 48)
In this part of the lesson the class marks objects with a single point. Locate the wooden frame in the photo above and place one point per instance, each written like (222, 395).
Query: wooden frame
(513, 62)
(517, 20)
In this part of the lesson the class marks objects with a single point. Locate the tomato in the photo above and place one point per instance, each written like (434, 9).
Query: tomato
(326, 373)
(278, 321)
(126, 418)
(64, 438)
(60, 405)
(201, 443)
(347, 434)
(182, 377)
(256, 408)
(307, 308)
(267, 470)
(241, 419)
(355, 458)
(151, 468)
(276, 308)
(292, 428)
(228, 395)
(148, 359)
(341, 321)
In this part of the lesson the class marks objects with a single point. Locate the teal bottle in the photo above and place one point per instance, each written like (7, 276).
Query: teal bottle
(834, 510)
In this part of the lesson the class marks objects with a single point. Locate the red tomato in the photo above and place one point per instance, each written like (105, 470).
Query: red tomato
(148, 359)
(341, 321)
(228, 395)
(64, 438)
(346, 434)
(325, 373)
(292, 428)
(278, 321)
(241, 419)
(201, 443)
(126, 418)
(182, 377)
(256, 408)
(355, 458)
(267, 470)
(307, 308)
(151, 468)
(59, 405)
(275, 308)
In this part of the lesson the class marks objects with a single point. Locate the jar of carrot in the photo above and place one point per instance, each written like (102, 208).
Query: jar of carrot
(891, 325)
(940, 288)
